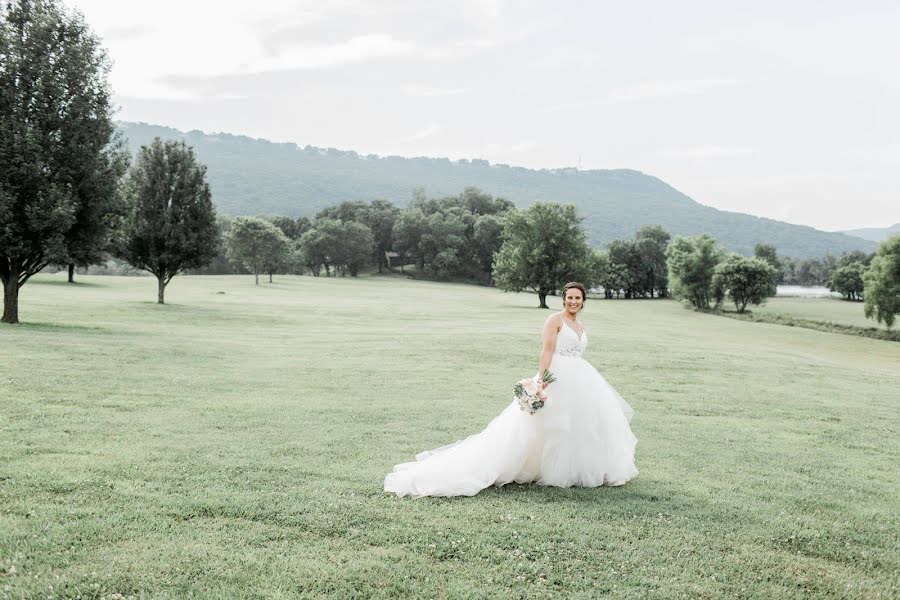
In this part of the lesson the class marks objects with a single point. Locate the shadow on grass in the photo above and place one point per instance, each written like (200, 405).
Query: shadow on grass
(45, 326)
(77, 284)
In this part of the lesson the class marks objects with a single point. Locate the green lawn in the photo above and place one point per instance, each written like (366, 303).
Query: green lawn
(828, 310)
(234, 445)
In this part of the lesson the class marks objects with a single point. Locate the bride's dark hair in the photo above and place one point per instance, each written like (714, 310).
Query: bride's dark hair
(577, 286)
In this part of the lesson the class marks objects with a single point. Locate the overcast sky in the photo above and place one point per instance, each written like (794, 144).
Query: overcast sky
(788, 110)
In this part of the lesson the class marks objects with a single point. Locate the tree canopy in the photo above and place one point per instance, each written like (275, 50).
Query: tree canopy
(543, 248)
(744, 280)
(848, 280)
(172, 222)
(691, 263)
(257, 244)
(882, 283)
(60, 164)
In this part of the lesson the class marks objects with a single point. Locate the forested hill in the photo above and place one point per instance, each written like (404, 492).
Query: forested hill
(251, 176)
(876, 234)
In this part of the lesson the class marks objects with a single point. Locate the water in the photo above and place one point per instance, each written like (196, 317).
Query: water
(805, 291)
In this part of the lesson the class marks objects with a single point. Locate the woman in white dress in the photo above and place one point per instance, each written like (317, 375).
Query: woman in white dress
(581, 437)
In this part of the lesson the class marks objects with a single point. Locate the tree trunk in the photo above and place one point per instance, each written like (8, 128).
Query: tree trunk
(71, 273)
(11, 298)
(161, 296)
(542, 296)
(270, 278)
(256, 274)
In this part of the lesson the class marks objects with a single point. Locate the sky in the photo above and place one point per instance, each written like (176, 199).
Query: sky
(787, 110)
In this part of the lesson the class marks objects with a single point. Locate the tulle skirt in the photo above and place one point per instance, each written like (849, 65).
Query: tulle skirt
(581, 437)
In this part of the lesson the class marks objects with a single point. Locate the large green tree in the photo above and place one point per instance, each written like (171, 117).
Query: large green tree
(848, 280)
(543, 247)
(172, 222)
(691, 262)
(258, 245)
(651, 242)
(882, 283)
(626, 262)
(744, 280)
(60, 163)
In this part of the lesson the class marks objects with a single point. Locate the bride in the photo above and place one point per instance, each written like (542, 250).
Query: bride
(580, 438)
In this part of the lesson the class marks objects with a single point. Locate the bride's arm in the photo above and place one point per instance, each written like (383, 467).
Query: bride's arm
(551, 328)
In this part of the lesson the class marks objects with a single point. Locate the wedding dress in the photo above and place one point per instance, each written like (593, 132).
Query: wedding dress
(581, 437)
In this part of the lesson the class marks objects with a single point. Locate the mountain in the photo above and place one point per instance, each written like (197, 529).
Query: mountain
(875, 234)
(253, 176)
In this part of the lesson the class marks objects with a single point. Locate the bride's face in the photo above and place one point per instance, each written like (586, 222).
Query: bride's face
(573, 301)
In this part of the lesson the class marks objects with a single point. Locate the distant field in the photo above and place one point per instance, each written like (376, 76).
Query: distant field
(829, 310)
(233, 445)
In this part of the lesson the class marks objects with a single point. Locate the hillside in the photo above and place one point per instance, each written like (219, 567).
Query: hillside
(875, 234)
(252, 176)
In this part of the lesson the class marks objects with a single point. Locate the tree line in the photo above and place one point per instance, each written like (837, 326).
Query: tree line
(68, 195)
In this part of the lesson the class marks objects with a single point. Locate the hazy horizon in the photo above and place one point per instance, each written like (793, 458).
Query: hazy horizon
(786, 112)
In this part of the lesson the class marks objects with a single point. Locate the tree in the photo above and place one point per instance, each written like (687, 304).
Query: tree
(788, 267)
(691, 263)
(313, 250)
(882, 283)
(487, 239)
(345, 211)
(543, 248)
(288, 226)
(855, 256)
(330, 232)
(100, 212)
(478, 203)
(810, 271)
(220, 264)
(380, 219)
(626, 262)
(408, 232)
(258, 245)
(60, 164)
(172, 223)
(768, 253)
(652, 241)
(848, 280)
(353, 249)
(745, 280)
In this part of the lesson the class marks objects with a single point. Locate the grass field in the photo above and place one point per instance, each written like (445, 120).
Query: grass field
(827, 310)
(234, 445)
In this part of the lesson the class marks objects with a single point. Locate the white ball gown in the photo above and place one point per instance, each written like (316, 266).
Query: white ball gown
(581, 437)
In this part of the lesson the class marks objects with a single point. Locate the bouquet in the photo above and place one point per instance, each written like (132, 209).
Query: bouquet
(530, 393)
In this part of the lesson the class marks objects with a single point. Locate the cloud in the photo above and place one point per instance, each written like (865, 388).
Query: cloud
(427, 131)
(358, 49)
(706, 152)
(126, 32)
(523, 146)
(416, 89)
(183, 76)
(648, 90)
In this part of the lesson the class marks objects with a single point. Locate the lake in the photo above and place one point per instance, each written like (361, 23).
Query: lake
(805, 291)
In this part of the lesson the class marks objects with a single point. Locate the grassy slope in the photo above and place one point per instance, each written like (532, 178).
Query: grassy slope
(235, 444)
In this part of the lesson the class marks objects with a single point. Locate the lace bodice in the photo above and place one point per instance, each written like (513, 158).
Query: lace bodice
(567, 342)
